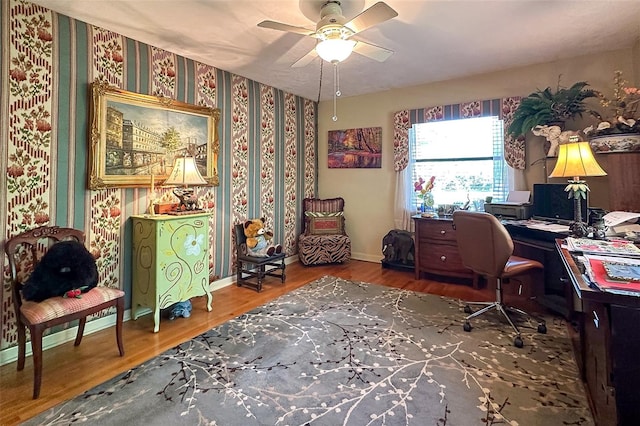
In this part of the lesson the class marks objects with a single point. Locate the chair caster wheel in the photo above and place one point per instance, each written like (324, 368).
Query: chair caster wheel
(542, 328)
(517, 342)
(467, 326)
(467, 309)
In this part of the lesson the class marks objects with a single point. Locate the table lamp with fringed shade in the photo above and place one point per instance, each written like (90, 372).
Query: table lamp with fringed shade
(185, 172)
(576, 159)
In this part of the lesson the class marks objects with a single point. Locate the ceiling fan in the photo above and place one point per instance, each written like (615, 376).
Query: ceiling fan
(335, 34)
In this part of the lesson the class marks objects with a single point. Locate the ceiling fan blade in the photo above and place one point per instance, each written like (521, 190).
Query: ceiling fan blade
(372, 51)
(306, 59)
(376, 14)
(286, 27)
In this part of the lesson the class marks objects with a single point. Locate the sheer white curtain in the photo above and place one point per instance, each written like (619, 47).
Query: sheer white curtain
(404, 207)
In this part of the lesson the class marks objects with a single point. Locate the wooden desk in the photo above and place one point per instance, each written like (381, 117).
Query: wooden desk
(436, 252)
(436, 249)
(536, 244)
(610, 348)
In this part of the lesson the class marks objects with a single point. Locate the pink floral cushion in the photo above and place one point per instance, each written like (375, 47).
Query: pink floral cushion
(39, 312)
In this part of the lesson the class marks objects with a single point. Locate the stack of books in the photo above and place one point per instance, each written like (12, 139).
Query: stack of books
(611, 266)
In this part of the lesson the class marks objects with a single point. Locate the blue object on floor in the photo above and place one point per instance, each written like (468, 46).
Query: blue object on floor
(181, 309)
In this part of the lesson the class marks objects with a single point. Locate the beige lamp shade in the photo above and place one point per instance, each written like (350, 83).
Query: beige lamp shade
(185, 172)
(576, 159)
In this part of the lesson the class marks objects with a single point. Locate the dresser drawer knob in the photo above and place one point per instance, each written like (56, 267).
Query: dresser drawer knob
(443, 232)
(443, 258)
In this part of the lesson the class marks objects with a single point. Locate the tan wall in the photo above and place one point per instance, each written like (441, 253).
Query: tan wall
(636, 62)
(369, 193)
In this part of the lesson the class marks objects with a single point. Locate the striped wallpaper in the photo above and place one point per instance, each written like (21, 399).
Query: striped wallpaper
(267, 160)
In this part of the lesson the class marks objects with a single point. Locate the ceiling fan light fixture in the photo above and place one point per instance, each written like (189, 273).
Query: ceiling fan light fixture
(335, 50)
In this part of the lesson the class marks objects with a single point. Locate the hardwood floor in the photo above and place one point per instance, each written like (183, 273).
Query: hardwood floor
(68, 371)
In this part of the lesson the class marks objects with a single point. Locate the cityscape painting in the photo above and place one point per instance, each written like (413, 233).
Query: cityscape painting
(135, 136)
(355, 148)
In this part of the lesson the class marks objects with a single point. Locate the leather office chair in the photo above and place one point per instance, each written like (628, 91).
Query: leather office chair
(486, 248)
(24, 251)
(251, 270)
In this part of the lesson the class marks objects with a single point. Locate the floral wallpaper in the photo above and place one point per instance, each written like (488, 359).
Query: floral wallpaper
(30, 133)
(267, 161)
(104, 224)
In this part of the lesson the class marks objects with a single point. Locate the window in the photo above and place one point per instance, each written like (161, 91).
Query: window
(466, 157)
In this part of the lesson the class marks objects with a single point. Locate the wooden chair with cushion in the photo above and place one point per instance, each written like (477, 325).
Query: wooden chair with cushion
(486, 248)
(251, 270)
(323, 238)
(24, 252)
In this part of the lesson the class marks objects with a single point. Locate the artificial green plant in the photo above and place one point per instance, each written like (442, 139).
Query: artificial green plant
(546, 107)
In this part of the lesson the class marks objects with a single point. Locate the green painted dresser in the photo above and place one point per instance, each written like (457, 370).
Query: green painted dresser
(170, 262)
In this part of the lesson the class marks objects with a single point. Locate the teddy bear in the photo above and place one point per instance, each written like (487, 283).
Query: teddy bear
(259, 242)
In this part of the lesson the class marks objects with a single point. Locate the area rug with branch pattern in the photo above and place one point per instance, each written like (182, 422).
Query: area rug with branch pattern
(339, 352)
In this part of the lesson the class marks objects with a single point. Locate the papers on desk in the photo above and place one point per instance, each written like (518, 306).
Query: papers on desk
(619, 275)
(543, 225)
(610, 265)
(622, 223)
(603, 247)
(550, 227)
(617, 218)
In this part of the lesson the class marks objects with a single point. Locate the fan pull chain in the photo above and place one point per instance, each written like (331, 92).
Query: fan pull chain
(336, 90)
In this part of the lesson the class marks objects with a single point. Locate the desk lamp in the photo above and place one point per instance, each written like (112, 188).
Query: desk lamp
(185, 172)
(576, 159)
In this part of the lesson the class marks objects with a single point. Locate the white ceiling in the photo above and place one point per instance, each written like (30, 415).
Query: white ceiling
(432, 40)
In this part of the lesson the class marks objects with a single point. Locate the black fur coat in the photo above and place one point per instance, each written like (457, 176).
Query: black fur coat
(67, 265)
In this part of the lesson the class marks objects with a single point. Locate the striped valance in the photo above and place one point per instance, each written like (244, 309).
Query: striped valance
(502, 108)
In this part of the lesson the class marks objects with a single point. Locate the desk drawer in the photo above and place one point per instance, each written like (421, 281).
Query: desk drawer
(437, 230)
(442, 257)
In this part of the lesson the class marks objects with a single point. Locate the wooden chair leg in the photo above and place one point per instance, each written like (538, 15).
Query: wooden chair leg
(239, 274)
(36, 348)
(80, 332)
(260, 277)
(22, 345)
(119, 320)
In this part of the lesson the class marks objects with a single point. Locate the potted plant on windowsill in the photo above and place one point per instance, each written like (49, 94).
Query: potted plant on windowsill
(548, 108)
(620, 130)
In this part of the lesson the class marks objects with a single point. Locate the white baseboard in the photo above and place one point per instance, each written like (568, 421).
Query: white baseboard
(52, 340)
(225, 282)
(11, 354)
(367, 257)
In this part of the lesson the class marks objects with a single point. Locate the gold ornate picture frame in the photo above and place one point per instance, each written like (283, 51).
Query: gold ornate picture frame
(134, 137)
